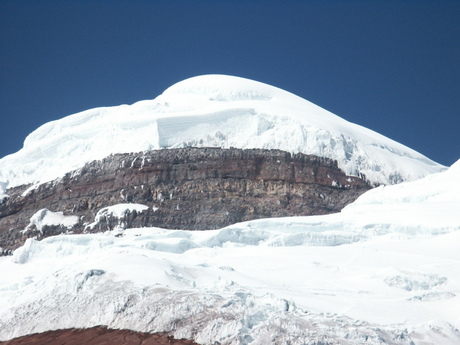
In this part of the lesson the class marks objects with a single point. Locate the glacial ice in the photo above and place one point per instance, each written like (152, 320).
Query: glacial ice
(379, 271)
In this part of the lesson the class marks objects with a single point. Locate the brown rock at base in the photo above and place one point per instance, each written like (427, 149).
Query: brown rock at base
(97, 336)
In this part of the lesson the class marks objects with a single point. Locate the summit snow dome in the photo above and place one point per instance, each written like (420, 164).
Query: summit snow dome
(212, 111)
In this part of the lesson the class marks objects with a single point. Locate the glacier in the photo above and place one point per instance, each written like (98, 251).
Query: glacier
(211, 111)
(385, 270)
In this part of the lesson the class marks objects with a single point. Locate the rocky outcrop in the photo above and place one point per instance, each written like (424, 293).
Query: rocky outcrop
(97, 336)
(188, 188)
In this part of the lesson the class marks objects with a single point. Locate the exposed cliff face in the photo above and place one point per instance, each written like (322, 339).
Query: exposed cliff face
(97, 336)
(186, 188)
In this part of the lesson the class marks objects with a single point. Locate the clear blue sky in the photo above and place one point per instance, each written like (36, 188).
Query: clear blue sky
(391, 66)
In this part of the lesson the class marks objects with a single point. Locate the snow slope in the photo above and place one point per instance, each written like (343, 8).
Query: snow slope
(384, 270)
(212, 110)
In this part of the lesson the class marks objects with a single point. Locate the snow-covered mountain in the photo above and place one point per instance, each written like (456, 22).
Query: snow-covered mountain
(386, 270)
(211, 110)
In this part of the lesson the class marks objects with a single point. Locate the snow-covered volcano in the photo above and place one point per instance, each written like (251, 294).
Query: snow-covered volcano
(212, 110)
(384, 270)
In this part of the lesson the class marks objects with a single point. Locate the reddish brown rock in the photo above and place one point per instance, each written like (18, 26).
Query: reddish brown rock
(97, 336)
(190, 188)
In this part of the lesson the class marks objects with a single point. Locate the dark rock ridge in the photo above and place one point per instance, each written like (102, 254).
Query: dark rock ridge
(97, 336)
(187, 188)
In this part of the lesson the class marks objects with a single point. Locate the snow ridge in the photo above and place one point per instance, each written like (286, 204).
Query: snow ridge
(212, 110)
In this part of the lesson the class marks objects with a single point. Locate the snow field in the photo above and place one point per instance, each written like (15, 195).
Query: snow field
(222, 293)
(355, 277)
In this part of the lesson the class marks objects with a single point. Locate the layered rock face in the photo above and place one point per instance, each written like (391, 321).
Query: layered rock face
(97, 336)
(187, 188)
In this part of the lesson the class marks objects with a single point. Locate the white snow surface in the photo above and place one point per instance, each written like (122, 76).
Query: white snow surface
(214, 111)
(46, 217)
(3, 195)
(384, 270)
(118, 212)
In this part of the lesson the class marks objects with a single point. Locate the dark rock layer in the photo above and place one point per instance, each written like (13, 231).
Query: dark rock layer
(189, 188)
(97, 336)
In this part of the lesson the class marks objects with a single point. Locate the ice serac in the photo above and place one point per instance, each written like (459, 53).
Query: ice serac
(212, 111)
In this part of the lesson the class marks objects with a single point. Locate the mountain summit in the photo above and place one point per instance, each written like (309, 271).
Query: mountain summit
(212, 111)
